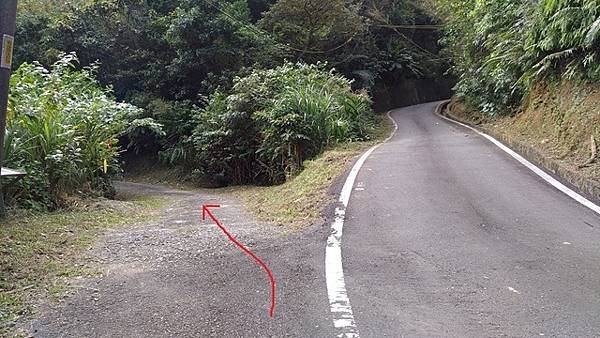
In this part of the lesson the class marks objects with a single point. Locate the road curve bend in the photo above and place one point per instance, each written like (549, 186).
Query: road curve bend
(446, 235)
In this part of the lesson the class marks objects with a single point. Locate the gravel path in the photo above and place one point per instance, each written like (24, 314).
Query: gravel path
(179, 277)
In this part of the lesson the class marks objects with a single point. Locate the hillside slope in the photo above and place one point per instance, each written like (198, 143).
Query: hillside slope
(555, 128)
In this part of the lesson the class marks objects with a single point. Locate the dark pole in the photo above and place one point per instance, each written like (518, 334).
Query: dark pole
(8, 18)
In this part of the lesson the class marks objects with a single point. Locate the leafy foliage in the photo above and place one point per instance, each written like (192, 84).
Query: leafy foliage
(164, 48)
(314, 25)
(62, 126)
(274, 120)
(210, 77)
(501, 48)
(373, 42)
(170, 124)
(564, 37)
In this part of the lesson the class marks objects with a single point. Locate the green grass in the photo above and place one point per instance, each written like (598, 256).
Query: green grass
(301, 201)
(38, 251)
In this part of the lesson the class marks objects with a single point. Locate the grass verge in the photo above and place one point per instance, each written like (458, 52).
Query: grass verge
(39, 251)
(301, 201)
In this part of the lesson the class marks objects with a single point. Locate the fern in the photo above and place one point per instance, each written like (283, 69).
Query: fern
(502, 47)
(593, 33)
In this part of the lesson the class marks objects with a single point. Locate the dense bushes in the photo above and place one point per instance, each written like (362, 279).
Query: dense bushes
(172, 122)
(171, 49)
(62, 126)
(501, 47)
(275, 119)
(197, 69)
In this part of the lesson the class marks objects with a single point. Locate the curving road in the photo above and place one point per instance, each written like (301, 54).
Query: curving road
(448, 236)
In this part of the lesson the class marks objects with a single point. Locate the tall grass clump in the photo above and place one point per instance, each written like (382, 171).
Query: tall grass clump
(273, 120)
(62, 128)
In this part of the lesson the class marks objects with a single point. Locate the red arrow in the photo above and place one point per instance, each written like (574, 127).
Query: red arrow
(206, 211)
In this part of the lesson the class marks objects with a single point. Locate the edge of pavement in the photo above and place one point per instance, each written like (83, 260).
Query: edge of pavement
(339, 301)
(571, 178)
(336, 186)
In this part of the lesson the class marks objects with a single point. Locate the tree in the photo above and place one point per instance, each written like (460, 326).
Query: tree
(169, 49)
(213, 40)
(314, 25)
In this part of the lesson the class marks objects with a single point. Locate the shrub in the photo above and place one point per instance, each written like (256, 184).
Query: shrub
(275, 119)
(225, 142)
(62, 126)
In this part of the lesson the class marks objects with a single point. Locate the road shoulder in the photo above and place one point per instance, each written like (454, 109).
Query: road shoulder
(566, 172)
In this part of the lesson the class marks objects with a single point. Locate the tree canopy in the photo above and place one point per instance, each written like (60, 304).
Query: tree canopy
(233, 91)
(182, 49)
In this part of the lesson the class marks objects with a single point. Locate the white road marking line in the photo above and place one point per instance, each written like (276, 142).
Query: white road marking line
(555, 183)
(341, 310)
(513, 290)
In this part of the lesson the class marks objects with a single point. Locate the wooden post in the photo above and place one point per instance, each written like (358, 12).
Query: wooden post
(8, 18)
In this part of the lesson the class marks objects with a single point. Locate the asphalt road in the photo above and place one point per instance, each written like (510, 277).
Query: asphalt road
(445, 236)
(448, 236)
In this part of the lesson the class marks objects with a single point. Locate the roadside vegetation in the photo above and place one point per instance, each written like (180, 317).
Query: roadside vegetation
(63, 129)
(300, 201)
(231, 92)
(273, 120)
(502, 49)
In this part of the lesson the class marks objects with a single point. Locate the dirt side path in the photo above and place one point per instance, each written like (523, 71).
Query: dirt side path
(176, 276)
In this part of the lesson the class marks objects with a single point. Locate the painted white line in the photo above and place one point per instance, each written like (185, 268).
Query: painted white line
(589, 204)
(511, 289)
(341, 310)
